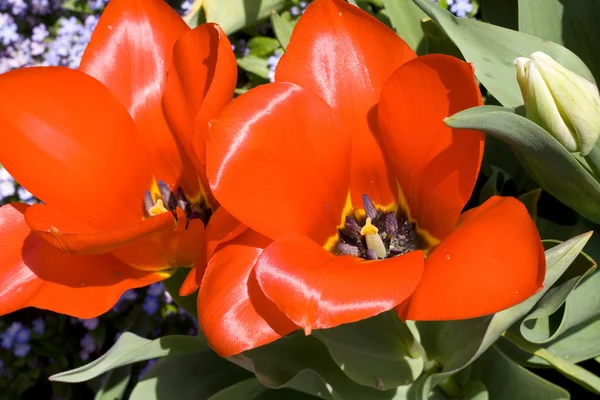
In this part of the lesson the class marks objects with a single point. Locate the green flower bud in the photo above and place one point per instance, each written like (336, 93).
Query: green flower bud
(562, 102)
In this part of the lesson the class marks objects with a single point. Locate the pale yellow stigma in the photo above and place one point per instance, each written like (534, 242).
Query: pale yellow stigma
(158, 208)
(369, 228)
(373, 239)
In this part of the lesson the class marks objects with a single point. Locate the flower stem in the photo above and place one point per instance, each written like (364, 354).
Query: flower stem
(450, 388)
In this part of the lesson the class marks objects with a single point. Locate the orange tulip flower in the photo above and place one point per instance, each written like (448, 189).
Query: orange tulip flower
(124, 198)
(352, 188)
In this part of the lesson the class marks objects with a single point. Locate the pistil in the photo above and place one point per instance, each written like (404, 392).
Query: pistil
(379, 235)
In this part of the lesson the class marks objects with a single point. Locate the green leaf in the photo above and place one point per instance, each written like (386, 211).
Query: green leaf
(283, 29)
(115, 384)
(255, 65)
(233, 15)
(547, 161)
(287, 394)
(530, 200)
(544, 324)
(493, 186)
(507, 380)
(129, 349)
(573, 24)
(247, 389)
(188, 303)
(492, 49)
(195, 15)
(374, 352)
(441, 339)
(197, 376)
(572, 371)
(436, 40)
(262, 46)
(406, 20)
(303, 363)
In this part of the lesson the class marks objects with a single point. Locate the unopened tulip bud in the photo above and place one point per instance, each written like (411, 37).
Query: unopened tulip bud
(560, 101)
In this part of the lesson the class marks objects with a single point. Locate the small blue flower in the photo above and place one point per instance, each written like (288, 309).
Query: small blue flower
(14, 328)
(69, 26)
(23, 336)
(39, 33)
(7, 341)
(87, 343)
(95, 5)
(40, 7)
(460, 8)
(18, 6)
(186, 6)
(295, 11)
(90, 324)
(129, 295)
(150, 305)
(21, 349)
(39, 326)
(272, 63)
(84, 355)
(156, 289)
(167, 297)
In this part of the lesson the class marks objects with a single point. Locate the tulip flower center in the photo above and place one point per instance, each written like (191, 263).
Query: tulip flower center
(377, 235)
(163, 200)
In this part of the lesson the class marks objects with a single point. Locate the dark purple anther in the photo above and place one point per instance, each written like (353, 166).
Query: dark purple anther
(370, 254)
(148, 201)
(347, 249)
(352, 225)
(168, 196)
(391, 223)
(370, 209)
(183, 203)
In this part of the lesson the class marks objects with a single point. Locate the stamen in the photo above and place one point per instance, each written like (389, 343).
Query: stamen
(168, 197)
(374, 241)
(384, 236)
(352, 225)
(370, 255)
(391, 224)
(348, 249)
(148, 201)
(158, 208)
(370, 209)
(183, 203)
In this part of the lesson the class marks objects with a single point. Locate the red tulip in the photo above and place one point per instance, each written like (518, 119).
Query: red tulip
(125, 198)
(352, 189)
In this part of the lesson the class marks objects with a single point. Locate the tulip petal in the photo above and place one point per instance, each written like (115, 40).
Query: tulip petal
(201, 81)
(129, 52)
(234, 314)
(189, 285)
(35, 274)
(317, 290)
(72, 236)
(221, 228)
(345, 56)
(278, 161)
(183, 247)
(493, 260)
(68, 140)
(436, 166)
